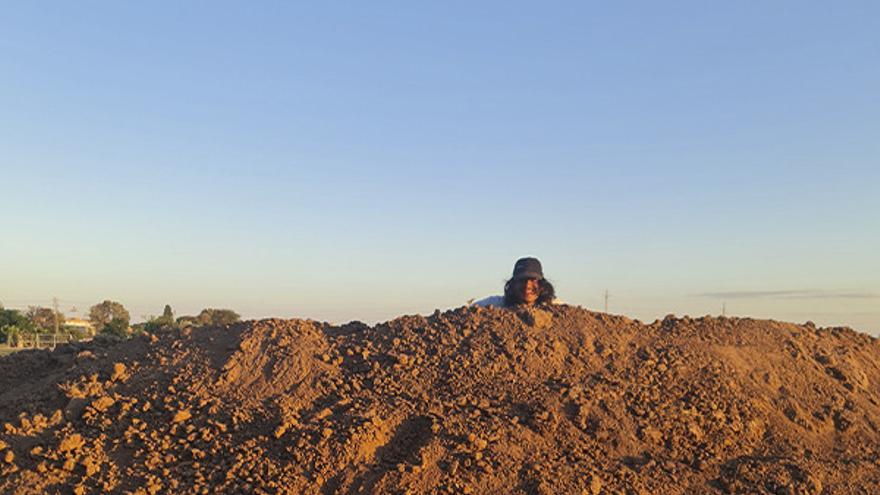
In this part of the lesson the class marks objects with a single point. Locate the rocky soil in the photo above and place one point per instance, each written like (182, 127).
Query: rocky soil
(556, 400)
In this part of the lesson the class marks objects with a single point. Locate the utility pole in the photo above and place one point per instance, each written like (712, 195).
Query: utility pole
(724, 309)
(606, 300)
(55, 314)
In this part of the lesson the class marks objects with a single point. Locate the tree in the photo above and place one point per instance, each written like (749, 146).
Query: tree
(105, 312)
(116, 326)
(164, 321)
(77, 333)
(44, 318)
(212, 316)
(186, 321)
(168, 314)
(12, 321)
(10, 317)
(11, 335)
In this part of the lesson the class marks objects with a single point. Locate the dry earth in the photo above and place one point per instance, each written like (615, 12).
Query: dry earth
(557, 400)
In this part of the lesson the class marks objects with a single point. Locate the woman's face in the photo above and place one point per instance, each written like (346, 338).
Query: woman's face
(531, 290)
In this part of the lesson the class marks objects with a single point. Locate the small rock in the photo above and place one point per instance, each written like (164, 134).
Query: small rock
(181, 416)
(696, 431)
(595, 485)
(91, 466)
(651, 434)
(279, 432)
(120, 373)
(101, 404)
(537, 318)
(71, 443)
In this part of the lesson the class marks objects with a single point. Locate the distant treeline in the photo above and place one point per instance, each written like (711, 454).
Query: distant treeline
(207, 317)
(107, 317)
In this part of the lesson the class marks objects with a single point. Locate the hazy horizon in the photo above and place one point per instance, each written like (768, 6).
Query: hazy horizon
(638, 309)
(364, 162)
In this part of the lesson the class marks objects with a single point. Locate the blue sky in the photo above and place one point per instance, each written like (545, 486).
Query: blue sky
(360, 161)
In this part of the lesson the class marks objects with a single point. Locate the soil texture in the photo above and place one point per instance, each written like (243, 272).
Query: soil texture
(550, 400)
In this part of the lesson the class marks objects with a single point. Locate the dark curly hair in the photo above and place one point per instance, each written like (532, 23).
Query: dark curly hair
(513, 292)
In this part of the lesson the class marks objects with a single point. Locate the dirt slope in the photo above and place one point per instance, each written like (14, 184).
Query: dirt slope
(556, 400)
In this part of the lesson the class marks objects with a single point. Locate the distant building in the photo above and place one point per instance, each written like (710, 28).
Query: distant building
(80, 325)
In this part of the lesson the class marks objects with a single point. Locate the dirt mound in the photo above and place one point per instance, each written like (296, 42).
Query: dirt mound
(555, 400)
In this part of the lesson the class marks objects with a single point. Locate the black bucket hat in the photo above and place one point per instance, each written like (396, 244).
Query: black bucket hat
(528, 268)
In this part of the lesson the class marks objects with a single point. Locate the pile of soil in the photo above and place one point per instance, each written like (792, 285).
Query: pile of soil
(555, 400)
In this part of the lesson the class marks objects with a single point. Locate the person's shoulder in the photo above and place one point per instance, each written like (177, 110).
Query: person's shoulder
(489, 301)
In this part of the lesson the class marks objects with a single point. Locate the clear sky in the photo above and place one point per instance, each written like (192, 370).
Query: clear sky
(362, 160)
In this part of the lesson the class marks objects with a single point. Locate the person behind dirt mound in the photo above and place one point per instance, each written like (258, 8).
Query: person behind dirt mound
(527, 287)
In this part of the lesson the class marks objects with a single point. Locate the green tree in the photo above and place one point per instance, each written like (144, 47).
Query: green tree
(116, 326)
(76, 333)
(185, 321)
(168, 314)
(12, 335)
(105, 312)
(12, 321)
(212, 316)
(164, 321)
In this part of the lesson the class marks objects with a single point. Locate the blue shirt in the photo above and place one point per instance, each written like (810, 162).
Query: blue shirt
(490, 301)
(498, 301)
